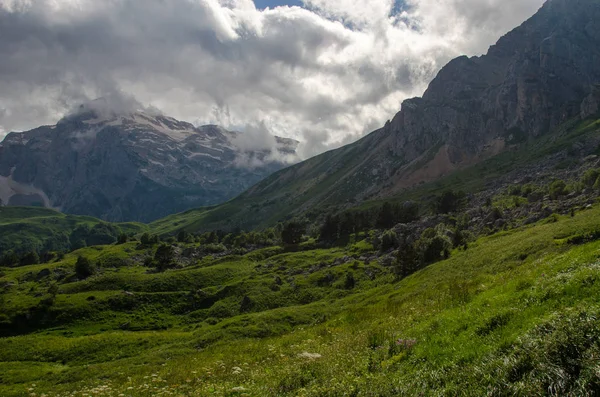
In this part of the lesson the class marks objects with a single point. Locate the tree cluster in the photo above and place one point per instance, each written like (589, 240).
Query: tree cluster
(338, 227)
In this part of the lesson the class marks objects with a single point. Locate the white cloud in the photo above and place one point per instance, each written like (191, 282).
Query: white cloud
(325, 75)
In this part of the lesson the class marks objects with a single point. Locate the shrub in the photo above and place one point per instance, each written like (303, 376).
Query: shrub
(184, 237)
(584, 238)
(534, 194)
(114, 261)
(558, 188)
(148, 239)
(349, 282)
(214, 248)
(84, 268)
(9, 259)
(99, 234)
(122, 238)
(515, 190)
(47, 257)
(292, 232)
(164, 256)
(330, 228)
(450, 201)
(590, 177)
(30, 258)
(389, 240)
(246, 304)
(433, 247)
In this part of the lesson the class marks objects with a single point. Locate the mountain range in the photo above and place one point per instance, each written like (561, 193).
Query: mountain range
(533, 81)
(135, 166)
(452, 252)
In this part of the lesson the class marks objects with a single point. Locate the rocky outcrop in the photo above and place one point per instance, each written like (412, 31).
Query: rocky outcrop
(590, 106)
(535, 78)
(131, 167)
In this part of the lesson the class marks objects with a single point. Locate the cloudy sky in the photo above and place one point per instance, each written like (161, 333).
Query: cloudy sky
(322, 71)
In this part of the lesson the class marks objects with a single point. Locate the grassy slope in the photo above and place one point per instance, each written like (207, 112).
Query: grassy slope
(30, 227)
(515, 314)
(300, 188)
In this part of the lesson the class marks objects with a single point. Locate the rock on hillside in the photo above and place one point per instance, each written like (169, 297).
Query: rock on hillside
(130, 167)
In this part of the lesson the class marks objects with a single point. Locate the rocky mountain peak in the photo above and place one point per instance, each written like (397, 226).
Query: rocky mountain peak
(131, 164)
(533, 79)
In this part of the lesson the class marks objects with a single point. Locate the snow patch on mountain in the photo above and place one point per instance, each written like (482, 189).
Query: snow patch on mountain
(10, 189)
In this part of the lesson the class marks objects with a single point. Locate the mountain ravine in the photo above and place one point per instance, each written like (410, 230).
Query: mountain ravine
(130, 167)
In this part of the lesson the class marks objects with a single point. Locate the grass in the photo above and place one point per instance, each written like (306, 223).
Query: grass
(39, 229)
(515, 314)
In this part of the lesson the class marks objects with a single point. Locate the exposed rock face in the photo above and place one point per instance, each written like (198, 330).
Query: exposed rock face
(535, 78)
(134, 167)
(532, 80)
(591, 104)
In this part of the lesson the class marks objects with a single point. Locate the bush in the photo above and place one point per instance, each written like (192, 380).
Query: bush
(389, 240)
(450, 201)
(214, 248)
(148, 239)
(433, 247)
(590, 177)
(558, 188)
(84, 268)
(9, 259)
(164, 256)
(30, 258)
(584, 238)
(535, 195)
(329, 231)
(292, 232)
(185, 237)
(113, 261)
(349, 282)
(515, 190)
(122, 238)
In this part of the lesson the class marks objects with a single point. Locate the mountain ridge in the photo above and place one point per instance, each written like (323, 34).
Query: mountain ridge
(536, 78)
(131, 165)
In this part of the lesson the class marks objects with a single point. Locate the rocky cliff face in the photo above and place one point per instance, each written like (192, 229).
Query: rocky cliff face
(535, 78)
(132, 167)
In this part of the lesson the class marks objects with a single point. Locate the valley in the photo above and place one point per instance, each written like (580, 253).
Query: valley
(455, 251)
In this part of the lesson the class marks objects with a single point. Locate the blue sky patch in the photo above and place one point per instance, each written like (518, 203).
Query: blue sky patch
(262, 4)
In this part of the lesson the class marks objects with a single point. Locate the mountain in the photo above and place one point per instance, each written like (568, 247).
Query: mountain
(535, 79)
(136, 166)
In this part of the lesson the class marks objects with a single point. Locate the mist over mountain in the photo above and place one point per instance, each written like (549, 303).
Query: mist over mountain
(115, 160)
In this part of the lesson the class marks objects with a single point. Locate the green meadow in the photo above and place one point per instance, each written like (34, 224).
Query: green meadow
(516, 313)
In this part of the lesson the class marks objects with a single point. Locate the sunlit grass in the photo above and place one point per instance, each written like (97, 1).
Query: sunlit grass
(501, 318)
